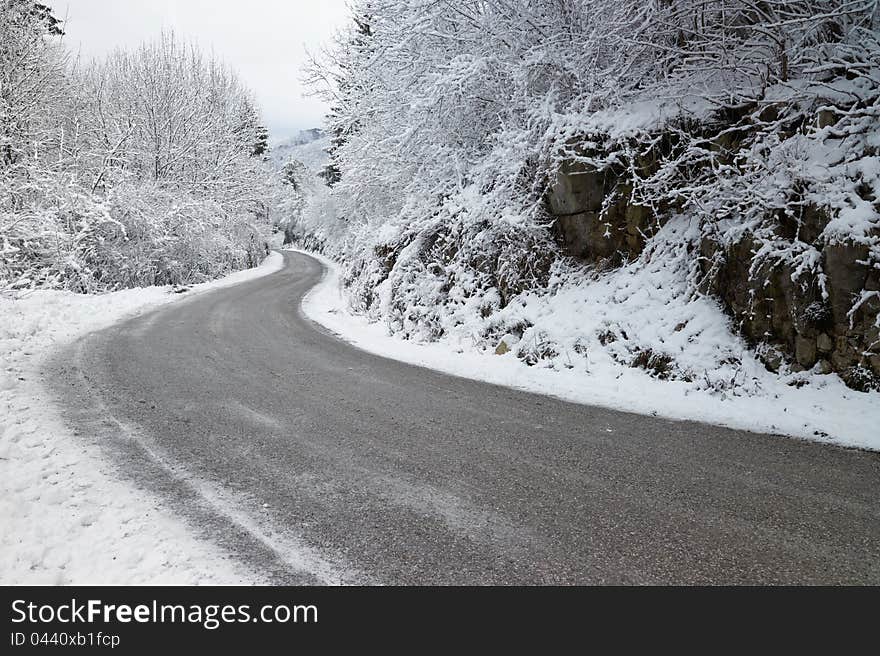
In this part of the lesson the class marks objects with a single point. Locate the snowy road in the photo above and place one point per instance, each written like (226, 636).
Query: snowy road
(313, 461)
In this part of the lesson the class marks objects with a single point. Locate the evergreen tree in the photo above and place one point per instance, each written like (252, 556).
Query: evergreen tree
(43, 14)
(261, 144)
(339, 118)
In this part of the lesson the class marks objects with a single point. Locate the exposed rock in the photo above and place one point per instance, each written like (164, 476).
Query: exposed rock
(771, 356)
(773, 305)
(502, 348)
(766, 303)
(805, 351)
(846, 277)
(825, 118)
(596, 219)
(577, 189)
(841, 358)
(790, 314)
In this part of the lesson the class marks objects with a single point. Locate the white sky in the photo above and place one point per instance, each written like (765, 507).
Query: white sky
(264, 40)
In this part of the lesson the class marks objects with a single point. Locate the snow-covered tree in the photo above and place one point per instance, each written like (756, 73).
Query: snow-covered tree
(142, 168)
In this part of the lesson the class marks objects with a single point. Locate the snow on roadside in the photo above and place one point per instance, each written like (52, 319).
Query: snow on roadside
(64, 517)
(827, 411)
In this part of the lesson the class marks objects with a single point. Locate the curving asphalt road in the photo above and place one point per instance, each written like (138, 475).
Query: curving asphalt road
(315, 462)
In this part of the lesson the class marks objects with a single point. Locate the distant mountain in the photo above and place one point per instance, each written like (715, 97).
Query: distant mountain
(306, 136)
(308, 147)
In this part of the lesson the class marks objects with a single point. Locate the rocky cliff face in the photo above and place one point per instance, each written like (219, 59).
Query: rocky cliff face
(596, 221)
(802, 319)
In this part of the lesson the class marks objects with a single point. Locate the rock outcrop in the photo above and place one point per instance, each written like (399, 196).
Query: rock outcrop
(787, 316)
(781, 312)
(595, 218)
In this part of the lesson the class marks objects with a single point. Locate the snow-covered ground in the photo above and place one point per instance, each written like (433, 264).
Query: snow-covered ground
(807, 405)
(64, 517)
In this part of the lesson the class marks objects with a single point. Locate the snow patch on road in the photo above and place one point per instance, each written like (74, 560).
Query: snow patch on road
(827, 412)
(65, 517)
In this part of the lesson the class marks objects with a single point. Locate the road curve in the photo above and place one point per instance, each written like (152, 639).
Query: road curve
(315, 462)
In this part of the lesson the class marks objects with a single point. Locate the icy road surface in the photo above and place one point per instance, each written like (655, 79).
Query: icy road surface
(315, 462)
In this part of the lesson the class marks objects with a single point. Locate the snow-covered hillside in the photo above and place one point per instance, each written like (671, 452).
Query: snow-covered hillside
(684, 191)
(308, 147)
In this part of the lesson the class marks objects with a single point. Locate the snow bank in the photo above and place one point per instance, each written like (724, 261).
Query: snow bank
(65, 518)
(806, 405)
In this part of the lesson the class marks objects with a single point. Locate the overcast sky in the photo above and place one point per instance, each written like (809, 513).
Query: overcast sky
(265, 40)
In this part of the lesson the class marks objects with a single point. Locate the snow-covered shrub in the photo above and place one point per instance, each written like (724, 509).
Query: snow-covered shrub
(157, 237)
(138, 169)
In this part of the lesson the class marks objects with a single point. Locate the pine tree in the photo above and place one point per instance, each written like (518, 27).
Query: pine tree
(261, 144)
(43, 14)
(339, 118)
